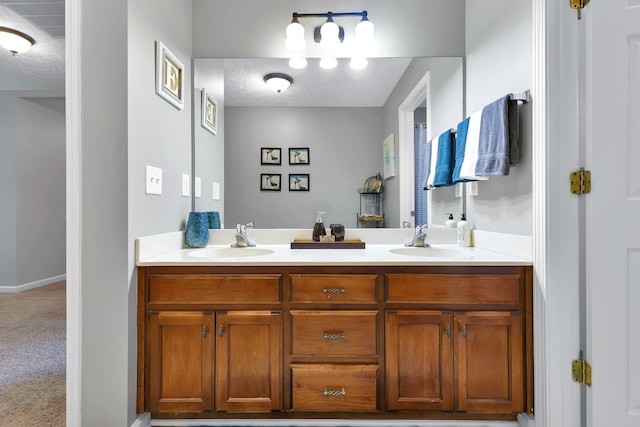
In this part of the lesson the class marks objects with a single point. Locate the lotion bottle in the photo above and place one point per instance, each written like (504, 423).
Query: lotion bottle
(318, 228)
(464, 232)
(451, 223)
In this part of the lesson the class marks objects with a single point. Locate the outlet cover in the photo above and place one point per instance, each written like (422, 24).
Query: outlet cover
(153, 180)
(216, 191)
(198, 189)
(186, 184)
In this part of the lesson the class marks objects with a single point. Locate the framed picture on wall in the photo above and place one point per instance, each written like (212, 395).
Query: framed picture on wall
(270, 182)
(298, 182)
(270, 156)
(209, 113)
(298, 156)
(169, 76)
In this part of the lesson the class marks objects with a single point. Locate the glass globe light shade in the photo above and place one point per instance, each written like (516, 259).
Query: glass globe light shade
(358, 62)
(328, 63)
(298, 63)
(330, 32)
(278, 82)
(364, 32)
(15, 41)
(295, 36)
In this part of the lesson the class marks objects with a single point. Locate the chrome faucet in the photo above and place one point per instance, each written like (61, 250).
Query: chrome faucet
(419, 238)
(242, 239)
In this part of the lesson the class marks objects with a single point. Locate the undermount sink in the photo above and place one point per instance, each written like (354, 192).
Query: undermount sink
(230, 252)
(430, 252)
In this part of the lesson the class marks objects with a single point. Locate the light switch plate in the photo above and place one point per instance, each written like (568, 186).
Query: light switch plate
(186, 184)
(198, 189)
(216, 191)
(153, 180)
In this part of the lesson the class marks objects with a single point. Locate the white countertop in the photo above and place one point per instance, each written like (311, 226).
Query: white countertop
(381, 247)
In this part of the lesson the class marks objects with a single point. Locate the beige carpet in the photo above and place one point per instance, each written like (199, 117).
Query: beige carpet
(33, 357)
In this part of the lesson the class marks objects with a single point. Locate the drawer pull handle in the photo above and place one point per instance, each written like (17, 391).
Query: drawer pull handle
(448, 331)
(205, 331)
(464, 331)
(333, 291)
(334, 393)
(220, 330)
(333, 336)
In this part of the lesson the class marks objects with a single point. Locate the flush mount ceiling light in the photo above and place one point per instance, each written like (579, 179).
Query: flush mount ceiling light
(330, 35)
(15, 41)
(278, 82)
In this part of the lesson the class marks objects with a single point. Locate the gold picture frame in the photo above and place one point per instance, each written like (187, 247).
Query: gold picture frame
(209, 112)
(169, 76)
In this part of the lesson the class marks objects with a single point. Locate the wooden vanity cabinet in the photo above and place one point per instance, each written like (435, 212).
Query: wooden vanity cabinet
(436, 342)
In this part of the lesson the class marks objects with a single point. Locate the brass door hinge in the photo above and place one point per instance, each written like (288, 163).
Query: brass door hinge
(581, 182)
(581, 371)
(579, 5)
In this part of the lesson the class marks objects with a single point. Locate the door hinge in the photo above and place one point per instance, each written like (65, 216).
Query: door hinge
(581, 371)
(581, 182)
(579, 5)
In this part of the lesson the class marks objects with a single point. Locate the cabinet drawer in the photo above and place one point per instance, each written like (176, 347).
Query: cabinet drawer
(334, 387)
(502, 289)
(214, 288)
(336, 333)
(333, 288)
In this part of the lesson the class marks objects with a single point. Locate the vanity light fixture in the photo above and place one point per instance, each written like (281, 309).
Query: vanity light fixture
(278, 82)
(15, 41)
(330, 36)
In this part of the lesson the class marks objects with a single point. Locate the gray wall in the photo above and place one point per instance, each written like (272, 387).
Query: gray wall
(208, 149)
(499, 60)
(32, 219)
(345, 146)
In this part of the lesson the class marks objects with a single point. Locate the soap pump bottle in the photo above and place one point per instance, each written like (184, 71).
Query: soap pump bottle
(464, 232)
(451, 223)
(318, 228)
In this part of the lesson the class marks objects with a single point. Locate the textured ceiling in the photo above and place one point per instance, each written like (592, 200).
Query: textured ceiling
(42, 67)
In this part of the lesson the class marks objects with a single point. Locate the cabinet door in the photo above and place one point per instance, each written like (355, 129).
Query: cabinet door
(489, 360)
(248, 361)
(419, 360)
(180, 361)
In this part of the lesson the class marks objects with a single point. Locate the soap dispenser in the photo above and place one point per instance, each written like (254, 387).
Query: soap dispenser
(464, 232)
(451, 223)
(318, 228)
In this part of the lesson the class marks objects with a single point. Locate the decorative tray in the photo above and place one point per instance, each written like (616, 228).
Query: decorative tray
(312, 244)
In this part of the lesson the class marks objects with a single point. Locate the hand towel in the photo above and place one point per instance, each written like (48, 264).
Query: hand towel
(432, 165)
(468, 168)
(461, 142)
(493, 145)
(445, 160)
(426, 162)
(514, 131)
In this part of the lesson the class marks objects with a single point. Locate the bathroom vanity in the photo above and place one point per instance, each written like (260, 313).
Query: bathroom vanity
(367, 333)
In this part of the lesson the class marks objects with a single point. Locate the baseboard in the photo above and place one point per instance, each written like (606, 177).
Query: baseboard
(326, 423)
(143, 420)
(32, 285)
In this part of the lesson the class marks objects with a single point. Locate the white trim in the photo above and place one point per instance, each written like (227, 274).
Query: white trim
(32, 285)
(418, 94)
(73, 87)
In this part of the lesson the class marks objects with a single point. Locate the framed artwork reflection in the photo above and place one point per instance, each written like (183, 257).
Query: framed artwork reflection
(270, 182)
(209, 113)
(298, 182)
(298, 156)
(270, 156)
(169, 76)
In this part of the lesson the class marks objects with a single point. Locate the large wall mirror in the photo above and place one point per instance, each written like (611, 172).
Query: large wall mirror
(338, 117)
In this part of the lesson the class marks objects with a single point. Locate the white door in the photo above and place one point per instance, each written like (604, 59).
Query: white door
(613, 211)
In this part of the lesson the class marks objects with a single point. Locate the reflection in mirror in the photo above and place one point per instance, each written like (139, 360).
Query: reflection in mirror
(340, 117)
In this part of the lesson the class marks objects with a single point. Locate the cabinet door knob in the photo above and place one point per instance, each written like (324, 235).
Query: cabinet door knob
(205, 331)
(334, 393)
(332, 336)
(332, 291)
(220, 330)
